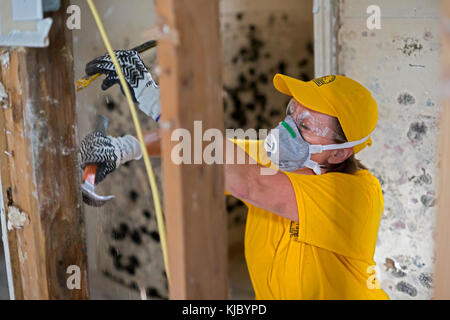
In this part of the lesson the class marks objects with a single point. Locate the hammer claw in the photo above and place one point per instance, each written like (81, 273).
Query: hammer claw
(91, 198)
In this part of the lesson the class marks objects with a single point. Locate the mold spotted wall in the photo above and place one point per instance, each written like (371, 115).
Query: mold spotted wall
(399, 64)
(259, 39)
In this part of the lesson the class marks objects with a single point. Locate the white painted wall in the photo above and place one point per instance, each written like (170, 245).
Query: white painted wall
(399, 64)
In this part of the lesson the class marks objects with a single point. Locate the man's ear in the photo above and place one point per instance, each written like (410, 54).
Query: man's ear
(340, 155)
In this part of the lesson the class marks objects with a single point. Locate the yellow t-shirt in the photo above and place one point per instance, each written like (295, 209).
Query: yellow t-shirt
(329, 253)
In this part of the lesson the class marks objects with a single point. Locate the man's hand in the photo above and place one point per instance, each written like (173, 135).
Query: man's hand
(108, 152)
(142, 87)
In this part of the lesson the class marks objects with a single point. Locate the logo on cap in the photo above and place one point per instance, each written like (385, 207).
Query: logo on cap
(324, 80)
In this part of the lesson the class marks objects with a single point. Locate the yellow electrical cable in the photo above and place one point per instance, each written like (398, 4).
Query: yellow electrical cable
(148, 165)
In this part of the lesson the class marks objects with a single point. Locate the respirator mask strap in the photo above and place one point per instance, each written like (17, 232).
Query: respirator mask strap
(314, 166)
(318, 148)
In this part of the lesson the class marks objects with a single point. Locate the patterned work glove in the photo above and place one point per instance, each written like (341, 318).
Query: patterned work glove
(108, 152)
(142, 87)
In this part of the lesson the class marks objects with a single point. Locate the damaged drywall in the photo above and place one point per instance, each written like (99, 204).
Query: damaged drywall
(4, 62)
(399, 64)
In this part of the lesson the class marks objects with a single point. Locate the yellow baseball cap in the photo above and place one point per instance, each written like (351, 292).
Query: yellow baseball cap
(338, 96)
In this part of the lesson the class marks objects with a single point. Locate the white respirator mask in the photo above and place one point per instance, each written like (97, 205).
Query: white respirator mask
(287, 149)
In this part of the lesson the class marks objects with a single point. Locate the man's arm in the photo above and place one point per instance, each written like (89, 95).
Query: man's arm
(273, 193)
(152, 141)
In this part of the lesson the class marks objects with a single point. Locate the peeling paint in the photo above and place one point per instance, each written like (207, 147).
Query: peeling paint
(4, 59)
(9, 154)
(23, 256)
(390, 264)
(17, 219)
(3, 95)
(5, 241)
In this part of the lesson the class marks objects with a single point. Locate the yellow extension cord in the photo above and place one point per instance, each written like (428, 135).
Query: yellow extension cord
(148, 165)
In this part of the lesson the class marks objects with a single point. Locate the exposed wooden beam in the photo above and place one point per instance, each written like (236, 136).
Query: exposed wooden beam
(442, 267)
(189, 54)
(39, 167)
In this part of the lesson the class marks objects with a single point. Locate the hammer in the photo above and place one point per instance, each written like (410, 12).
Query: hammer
(88, 181)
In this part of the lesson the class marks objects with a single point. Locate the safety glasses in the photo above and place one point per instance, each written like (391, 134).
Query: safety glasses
(308, 125)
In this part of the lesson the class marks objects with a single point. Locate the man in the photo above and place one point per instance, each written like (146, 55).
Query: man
(312, 222)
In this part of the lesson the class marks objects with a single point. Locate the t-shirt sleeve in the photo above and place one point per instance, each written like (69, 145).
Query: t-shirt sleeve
(255, 150)
(251, 147)
(338, 212)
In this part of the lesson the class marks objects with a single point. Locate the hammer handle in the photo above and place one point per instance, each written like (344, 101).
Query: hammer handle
(89, 173)
(145, 46)
(101, 125)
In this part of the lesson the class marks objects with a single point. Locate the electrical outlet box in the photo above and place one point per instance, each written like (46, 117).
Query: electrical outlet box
(22, 23)
(26, 10)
